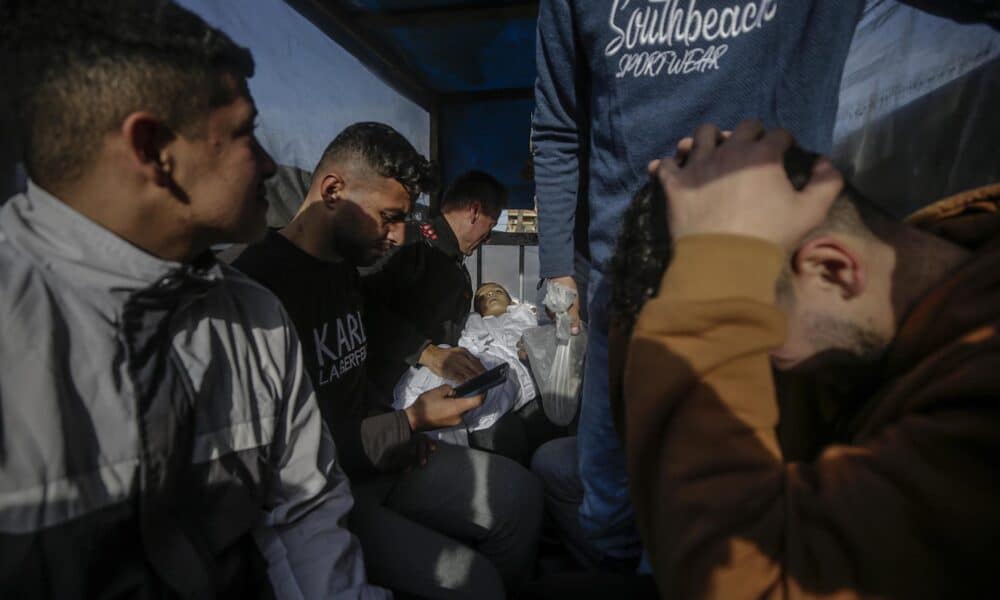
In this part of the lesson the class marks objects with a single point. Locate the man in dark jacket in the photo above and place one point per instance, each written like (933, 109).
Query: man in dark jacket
(422, 295)
(433, 520)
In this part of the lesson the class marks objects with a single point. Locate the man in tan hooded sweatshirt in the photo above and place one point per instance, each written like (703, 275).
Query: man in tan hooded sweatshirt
(901, 323)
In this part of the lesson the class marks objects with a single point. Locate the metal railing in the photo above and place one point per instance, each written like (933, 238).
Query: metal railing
(506, 238)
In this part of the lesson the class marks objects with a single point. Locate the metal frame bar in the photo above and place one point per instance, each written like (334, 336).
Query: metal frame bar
(505, 238)
(495, 94)
(347, 30)
(449, 15)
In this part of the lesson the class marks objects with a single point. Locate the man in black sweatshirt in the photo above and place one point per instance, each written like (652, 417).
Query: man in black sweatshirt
(432, 519)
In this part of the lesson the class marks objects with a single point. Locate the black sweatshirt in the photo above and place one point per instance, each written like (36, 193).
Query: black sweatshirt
(421, 295)
(325, 303)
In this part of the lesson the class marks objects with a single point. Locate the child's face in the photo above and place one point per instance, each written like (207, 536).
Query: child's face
(491, 300)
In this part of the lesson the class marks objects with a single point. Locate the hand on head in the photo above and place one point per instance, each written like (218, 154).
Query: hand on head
(739, 186)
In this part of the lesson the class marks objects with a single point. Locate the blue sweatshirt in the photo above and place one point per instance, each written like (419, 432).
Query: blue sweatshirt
(621, 81)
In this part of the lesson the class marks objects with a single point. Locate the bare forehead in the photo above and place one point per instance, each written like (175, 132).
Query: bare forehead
(234, 115)
(392, 189)
(486, 287)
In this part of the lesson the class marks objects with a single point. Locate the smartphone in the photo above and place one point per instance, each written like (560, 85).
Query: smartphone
(480, 383)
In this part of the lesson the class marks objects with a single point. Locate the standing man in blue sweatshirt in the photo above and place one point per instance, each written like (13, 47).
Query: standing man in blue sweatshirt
(619, 84)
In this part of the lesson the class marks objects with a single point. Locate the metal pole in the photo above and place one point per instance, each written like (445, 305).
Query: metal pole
(520, 271)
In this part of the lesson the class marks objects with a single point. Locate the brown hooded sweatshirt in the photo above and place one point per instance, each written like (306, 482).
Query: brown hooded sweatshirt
(908, 507)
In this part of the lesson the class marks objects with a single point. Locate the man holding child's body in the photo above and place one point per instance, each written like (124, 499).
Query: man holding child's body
(492, 335)
(432, 519)
(420, 297)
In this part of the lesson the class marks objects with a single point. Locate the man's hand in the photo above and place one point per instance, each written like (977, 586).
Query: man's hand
(574, 310)
(425, 447)
(739, 186)
(439, 408)
(453, 364)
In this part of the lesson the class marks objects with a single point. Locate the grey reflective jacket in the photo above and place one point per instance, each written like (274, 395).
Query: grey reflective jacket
(158, 434)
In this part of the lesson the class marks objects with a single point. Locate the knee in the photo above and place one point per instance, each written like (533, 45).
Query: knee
(555, 461)
(475, 577)
(520, 490)
(526, 486)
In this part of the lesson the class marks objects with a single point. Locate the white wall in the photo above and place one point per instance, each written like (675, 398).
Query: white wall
(307, 88)
(500, 265)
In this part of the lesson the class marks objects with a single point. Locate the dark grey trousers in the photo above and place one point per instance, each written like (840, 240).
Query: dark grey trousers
(466, 525)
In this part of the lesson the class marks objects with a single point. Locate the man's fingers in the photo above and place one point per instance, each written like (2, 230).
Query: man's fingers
(422, 452)
(824, 185)
(425, 447)
(653, 166)
(461, 365)
(706, 138)
(685, 145)
(748, 130)
(464, 405)
(683, 151)
(574, 314)
(777, 142)
(668, 170)
(445, 390)
(473, 364)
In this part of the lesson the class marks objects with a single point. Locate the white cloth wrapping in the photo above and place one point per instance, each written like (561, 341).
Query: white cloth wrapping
(493, 340)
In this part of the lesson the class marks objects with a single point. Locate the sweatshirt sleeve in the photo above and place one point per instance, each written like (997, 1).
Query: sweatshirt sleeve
(555, 135)
(304, 538)
(720, 512)
(392, 335)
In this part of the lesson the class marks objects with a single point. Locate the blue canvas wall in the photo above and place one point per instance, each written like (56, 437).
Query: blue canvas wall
(491, 136)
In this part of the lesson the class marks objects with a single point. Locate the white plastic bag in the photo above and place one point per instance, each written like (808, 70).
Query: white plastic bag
(556, 358)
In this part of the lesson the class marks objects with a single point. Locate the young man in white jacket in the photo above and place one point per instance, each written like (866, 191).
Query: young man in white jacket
(158, 434)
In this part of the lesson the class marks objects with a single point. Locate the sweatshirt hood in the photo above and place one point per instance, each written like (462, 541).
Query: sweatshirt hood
(967, 302)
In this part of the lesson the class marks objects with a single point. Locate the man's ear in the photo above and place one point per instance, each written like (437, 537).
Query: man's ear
(475, 211)
(147, 143)
(831, 264)
(331, 189)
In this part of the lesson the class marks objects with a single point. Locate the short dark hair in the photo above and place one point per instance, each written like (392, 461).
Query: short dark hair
(476, 186)
(642, 254)
(83, 65)
(385, 151)
(644, 248)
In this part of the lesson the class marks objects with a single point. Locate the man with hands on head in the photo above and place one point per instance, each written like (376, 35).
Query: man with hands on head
(618, 84)
(433, 519)
(901, 502)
